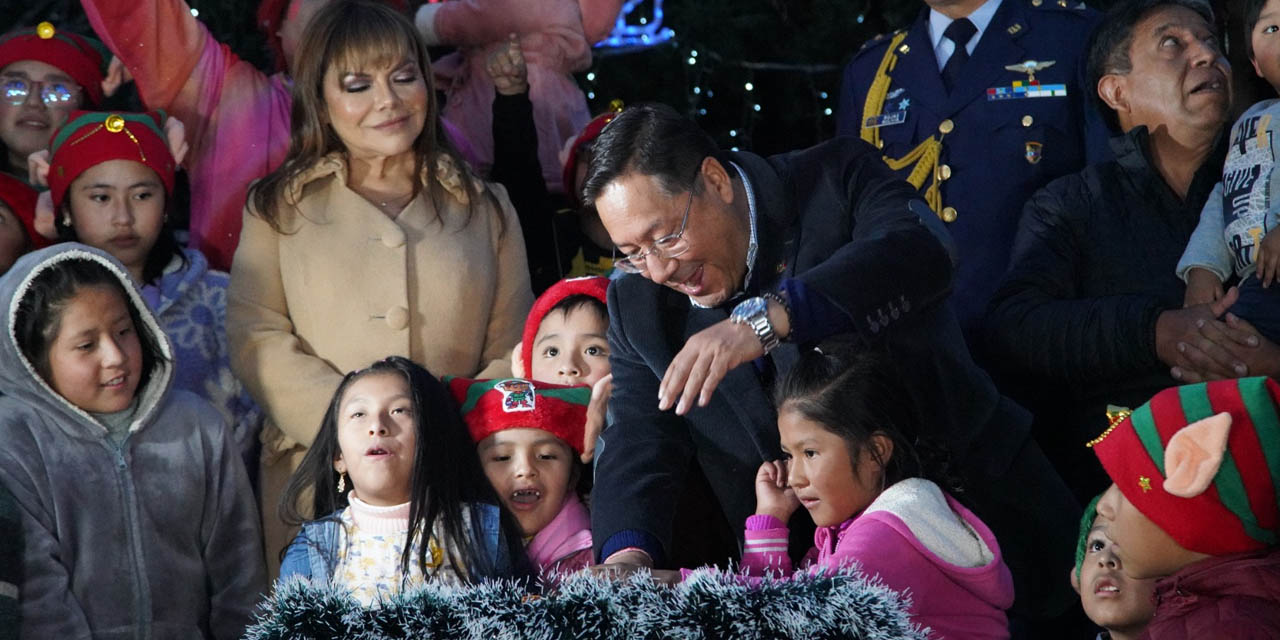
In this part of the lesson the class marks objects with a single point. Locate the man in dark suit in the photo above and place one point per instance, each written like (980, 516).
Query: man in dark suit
(980, 125)
(738, 262)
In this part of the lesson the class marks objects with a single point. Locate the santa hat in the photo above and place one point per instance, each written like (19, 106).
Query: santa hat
(21, 200)
(490, 406)
(1202, 462)
(84, 59)
(271, 16)
(595, 286)
(90, 138)
(571, 152)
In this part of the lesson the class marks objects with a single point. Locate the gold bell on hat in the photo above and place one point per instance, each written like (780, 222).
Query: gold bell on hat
(615, 105)
(45, 30)
(114, 123)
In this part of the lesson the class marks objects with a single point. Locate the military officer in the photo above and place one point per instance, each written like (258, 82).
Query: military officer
(978, 126)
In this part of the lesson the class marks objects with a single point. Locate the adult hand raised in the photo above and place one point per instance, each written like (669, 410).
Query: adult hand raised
(1261, 357)
(706, 358)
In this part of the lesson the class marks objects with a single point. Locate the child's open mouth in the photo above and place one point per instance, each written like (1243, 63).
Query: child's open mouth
(526, 497)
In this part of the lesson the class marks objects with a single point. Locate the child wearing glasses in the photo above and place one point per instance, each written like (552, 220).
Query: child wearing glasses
(45, 74)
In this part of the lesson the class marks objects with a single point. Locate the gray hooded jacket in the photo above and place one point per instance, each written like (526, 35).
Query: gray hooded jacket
(155, 538)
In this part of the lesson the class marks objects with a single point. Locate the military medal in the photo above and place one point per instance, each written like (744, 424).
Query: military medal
(1031, 88)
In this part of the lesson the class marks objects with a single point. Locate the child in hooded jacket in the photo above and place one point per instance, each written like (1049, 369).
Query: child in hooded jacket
(849, 457)
(137, 516)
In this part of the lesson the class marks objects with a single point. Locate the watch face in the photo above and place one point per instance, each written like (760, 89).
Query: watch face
(750, 307)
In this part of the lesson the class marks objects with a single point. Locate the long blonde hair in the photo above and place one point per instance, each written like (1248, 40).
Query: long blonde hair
(353, 33)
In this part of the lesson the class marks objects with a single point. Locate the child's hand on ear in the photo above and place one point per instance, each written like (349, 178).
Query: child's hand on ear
(773, 496)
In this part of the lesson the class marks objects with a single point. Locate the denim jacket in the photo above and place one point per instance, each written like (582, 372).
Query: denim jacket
(314, 552)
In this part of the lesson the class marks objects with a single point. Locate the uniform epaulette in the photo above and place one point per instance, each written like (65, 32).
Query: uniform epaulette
(1060, 5)
(877, 41)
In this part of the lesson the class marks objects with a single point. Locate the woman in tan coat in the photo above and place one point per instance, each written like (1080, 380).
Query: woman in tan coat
(371, 239)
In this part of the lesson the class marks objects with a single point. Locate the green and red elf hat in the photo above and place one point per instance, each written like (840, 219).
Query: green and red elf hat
(490, 406)
(84, 59)
(595, 286)
(90, 138)
(21, 200)
(1233, 506)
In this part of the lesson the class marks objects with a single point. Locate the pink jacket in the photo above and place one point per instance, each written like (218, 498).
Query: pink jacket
(1236, 596)
(954, 601)
(564, 545)
(556, 37)
(236, 117)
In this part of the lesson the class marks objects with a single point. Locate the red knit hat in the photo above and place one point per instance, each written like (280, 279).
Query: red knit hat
(1238, 510)
(490, 406)
(21, 200)
(595, 286)
(84, 59)
(90, 138)
(271, 16)
(589, 134)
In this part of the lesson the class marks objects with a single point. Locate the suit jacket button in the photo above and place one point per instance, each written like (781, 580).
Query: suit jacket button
(397, 318)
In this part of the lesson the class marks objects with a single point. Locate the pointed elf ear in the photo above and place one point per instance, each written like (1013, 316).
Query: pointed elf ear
(117, 76)
(176, 134)
(38, 168)
(517, 363)
(45, 220)
(1194, 454)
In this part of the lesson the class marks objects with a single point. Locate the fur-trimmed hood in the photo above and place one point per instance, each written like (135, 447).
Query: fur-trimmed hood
(18, 376)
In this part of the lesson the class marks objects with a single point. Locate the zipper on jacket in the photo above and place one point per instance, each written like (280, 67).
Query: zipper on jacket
(141, 585)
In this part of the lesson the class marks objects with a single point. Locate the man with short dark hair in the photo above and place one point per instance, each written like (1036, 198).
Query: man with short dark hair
(739, 262)
(1091, 307)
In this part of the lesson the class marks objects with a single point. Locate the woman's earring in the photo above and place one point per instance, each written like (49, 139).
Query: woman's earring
(342, 482)
(66, 218)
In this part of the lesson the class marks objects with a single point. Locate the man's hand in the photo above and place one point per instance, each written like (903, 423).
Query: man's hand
(506, 67)
(1268, 259)
(597, 409)
(1193, 342)
(1203, 287)
(706, 358)
(773, 496)
(622, 564)
(1260, 356)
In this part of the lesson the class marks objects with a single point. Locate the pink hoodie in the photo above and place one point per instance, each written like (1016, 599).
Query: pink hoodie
(918, 540)
(236, 117)
(564, 545)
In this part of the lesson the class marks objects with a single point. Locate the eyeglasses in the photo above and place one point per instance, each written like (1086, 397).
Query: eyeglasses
(667, 247)
(53, 94)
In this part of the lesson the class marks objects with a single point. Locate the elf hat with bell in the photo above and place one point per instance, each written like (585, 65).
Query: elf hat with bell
(490, 406)
(89, 138)
(84, 59)
(1202, 462)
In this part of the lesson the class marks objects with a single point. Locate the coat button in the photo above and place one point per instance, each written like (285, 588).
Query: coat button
(944, 172)
(397, 318)
(1027, 120)
(1036, 3)
(947, 126)
(948, 215)
(393, 238)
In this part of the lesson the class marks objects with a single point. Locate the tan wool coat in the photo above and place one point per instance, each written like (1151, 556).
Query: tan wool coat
(345, 285)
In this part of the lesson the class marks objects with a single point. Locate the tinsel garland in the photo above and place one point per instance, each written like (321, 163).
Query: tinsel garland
(708, 604)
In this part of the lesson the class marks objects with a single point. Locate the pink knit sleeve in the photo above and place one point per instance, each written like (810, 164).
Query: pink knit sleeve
(765, 548)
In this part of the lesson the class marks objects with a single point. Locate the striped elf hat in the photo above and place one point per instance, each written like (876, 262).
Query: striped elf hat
(84, 59)
(89, 138)
(490, 406)
(1234, 512)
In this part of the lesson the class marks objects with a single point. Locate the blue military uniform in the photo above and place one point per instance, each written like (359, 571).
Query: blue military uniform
(979, 153)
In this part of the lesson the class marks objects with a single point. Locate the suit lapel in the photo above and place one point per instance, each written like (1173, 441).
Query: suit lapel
(995, 50)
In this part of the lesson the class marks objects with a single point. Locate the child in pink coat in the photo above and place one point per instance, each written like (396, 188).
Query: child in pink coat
(556, 38)
(847, 431)
(529, 436)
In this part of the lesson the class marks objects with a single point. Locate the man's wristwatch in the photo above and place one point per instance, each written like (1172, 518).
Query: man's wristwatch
(754, 312)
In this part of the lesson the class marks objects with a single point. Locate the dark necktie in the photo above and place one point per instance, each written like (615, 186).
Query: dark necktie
(959, 32)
